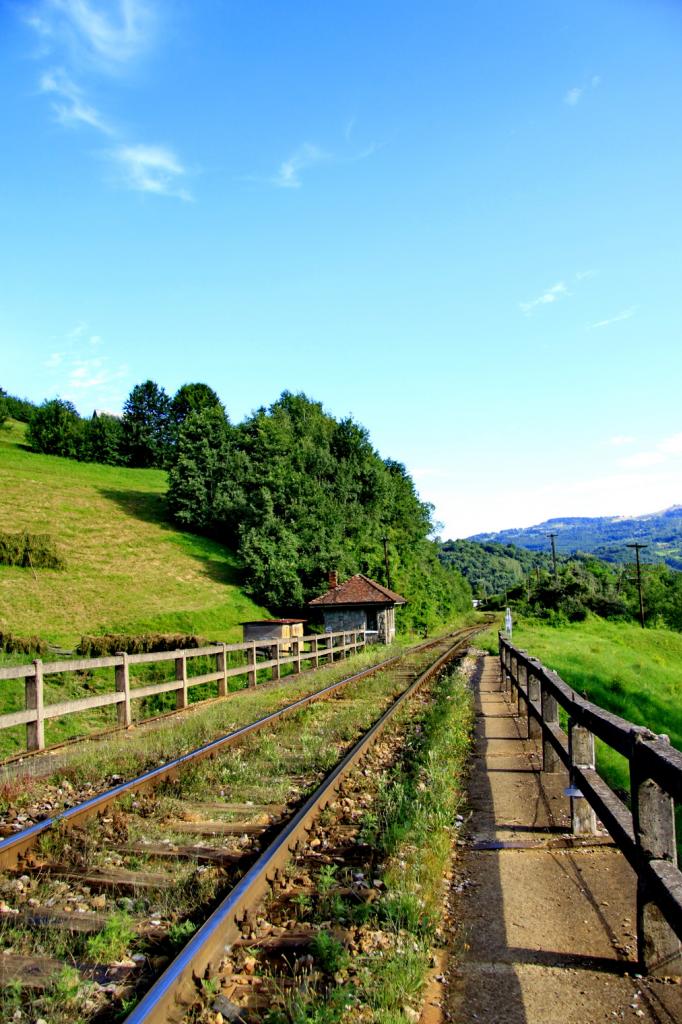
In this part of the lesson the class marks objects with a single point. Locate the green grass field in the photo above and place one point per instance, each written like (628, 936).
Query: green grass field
(127, 569)
(635, 673)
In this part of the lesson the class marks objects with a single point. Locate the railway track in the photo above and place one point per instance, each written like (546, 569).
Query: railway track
(176, 860)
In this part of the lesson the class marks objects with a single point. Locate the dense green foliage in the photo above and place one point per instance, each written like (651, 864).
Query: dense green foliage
(14, 408)
(144, 437)
(55, 428)
(146, 426)
(491, 568)
(606, 537)
(298, 493)
(585, 585)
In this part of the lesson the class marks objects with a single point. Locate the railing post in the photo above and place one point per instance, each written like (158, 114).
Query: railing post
(251, 661)
(277, 669)
(330, 647)
(581, 751)
(181, 675)
(35, 731)
(653, 815)
(513, 688)
(534, 724)
(551, 762)
(122, 683)
(297, 652)
(221, 666)
(316, 657)
(520, 686)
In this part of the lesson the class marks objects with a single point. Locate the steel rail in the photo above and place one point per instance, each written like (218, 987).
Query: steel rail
(14, 847)
(163, 1002)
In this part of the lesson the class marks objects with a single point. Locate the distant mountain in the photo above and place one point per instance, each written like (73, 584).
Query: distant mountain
(605, 536)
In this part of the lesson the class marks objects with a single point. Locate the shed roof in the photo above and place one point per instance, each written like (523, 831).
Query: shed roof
(358, 589)
(271, 622)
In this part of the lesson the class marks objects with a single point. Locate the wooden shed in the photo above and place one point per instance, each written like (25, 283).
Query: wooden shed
(359, 603)
(263, 630)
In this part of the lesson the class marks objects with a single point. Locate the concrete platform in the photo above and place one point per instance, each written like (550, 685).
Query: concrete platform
(539, 934)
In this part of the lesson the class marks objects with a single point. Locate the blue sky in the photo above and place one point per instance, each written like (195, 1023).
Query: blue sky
(461, 223)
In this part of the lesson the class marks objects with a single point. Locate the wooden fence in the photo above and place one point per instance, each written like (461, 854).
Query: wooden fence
(259, 657)
(645, 835)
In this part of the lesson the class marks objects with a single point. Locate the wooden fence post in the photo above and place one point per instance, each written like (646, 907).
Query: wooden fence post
(534, 725)
(251, 661)
(581, 751)
(551, 762)
(520, 686)
(122, 683)
(35, 731)
(181, 674)
(330, 648)
(316, 657)
(653, 815)
(221, 666)
(297, 663)
(277, 669)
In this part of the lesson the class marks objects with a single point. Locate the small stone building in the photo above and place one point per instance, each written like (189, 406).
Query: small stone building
(359, 603)
(264, 630)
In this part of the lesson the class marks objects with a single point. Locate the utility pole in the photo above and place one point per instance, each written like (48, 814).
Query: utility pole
(386, 563)
(552, 537)
(638, 548)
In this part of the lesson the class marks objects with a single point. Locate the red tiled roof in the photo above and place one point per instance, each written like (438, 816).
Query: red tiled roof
(358, 589)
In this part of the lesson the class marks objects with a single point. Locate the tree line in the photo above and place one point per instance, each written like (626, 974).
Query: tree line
(583, 584)
(294, 491)
(145, 436)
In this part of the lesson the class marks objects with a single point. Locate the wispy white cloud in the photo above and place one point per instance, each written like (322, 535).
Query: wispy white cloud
(553, 294)
(671, 445)
(154, 169)
(83, 377)
(625, 314)
(289, 173)
(349, 128)
(620, 440)
(666, 450)
(69, 104)
(572, 97)
(583, 275)
(641, 460)
(109, 34)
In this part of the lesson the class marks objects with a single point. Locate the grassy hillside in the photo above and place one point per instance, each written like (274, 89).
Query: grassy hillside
(127, 570)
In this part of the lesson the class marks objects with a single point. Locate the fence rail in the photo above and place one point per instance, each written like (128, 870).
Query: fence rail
(262, 656)
(645, 834)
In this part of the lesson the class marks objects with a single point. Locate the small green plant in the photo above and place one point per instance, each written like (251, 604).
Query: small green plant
(331, 954)
(113, 941)
(209, 986)
(180, 933)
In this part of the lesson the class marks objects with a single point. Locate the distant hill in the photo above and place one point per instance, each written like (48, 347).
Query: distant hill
(604, 536)
(491, 568)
